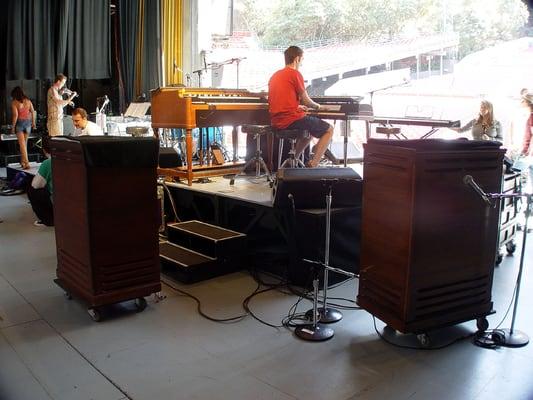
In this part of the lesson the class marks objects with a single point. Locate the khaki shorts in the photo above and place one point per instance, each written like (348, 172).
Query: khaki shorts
(55, 127)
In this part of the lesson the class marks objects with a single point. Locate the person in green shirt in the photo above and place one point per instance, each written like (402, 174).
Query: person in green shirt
(41, 190)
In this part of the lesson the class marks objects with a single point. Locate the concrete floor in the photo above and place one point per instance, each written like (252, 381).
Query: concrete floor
(51, 349)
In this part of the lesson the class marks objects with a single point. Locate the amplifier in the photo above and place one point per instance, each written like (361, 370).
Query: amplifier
(308, 187)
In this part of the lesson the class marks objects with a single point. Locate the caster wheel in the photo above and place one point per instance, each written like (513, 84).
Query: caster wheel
(159, 296)
(140, 304)
(389, 330)
(423, 339)
(95, 314)
(499, 258)
(511, 247)
(68, 296)
(482, 324)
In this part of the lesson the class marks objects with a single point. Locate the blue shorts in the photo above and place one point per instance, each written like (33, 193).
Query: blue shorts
(315, 126)
(23, 125)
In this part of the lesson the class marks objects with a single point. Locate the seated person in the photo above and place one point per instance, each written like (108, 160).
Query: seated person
(288, 103)
(41, 190)
(484, 126)
(83, 125)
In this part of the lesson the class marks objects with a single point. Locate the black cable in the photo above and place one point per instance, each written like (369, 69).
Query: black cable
(293, 316)
(494, 338)
(490, 339)
(308, 296)
(199, 305)
(245, 305)
(174, 210)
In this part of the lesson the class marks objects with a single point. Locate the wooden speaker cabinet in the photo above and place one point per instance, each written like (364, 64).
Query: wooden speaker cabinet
(106, 217)
(428, 240)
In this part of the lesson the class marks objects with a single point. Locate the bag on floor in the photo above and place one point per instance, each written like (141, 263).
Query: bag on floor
(18, 184)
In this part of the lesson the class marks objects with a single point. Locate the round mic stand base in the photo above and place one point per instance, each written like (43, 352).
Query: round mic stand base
(314, 333)
(325, 315)
(513, 338)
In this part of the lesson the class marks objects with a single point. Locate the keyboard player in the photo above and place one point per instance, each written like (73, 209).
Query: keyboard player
(288, 102)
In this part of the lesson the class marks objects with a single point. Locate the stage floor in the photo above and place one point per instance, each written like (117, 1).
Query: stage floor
(249, 189)
(245, 188)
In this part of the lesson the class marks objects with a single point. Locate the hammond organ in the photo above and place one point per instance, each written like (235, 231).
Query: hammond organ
(188, 108)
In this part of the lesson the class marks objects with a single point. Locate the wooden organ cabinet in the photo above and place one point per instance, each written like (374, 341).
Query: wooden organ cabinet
(428, 240)
(106, 218)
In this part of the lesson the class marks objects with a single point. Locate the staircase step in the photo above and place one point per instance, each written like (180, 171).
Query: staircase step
(188, 266)
(228, 246)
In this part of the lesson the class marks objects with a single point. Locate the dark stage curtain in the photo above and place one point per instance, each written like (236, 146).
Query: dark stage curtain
(128, 17)
(139, 21)
(30, 39)
(62, 18)
(151, 56)
(89, 40)
(3, 50)
(47, 37)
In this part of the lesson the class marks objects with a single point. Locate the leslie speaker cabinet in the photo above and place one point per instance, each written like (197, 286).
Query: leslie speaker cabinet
(428, 240)
(106, 218)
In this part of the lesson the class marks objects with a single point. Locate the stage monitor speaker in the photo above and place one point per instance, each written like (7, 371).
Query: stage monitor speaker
(335, 153)
(308, 187)
(169, 158)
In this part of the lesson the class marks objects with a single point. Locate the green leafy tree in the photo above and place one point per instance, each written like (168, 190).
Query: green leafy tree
(479, 23)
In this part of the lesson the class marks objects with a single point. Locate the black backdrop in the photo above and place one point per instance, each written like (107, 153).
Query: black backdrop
(83, 39)
(47, 37)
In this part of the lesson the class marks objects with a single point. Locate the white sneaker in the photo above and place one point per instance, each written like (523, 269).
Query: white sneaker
(38, 223)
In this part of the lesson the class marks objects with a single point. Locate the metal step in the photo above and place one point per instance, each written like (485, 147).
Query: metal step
(227, 246)
(188, 266)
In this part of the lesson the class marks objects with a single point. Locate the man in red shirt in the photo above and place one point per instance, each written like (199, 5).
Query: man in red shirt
(288, 102)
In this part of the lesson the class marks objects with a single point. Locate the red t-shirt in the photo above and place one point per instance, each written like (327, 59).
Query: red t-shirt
(284, 89)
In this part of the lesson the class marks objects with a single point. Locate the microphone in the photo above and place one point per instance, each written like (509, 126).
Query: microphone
(469, 181)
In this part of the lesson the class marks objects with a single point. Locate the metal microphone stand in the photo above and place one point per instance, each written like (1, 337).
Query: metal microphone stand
(324, 313)
(512, 337)
(237, 62)
(199, 72)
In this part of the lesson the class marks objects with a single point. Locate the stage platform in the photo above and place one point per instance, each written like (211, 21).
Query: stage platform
(278, 239)
(246, 188)
(249, 189)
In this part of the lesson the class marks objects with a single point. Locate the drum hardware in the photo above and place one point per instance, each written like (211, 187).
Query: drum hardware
(137, 131)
